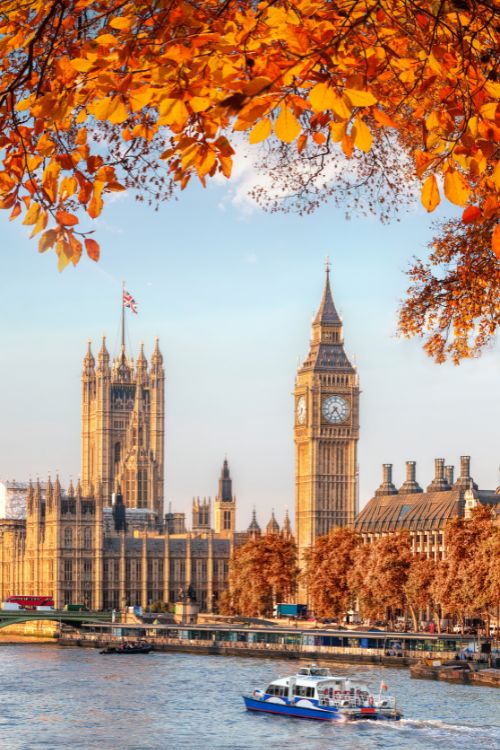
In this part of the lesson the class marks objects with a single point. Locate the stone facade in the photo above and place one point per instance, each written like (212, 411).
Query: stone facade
(107, 543)
(326, 430)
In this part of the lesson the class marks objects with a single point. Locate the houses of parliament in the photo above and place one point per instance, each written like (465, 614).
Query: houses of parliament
(108, 543)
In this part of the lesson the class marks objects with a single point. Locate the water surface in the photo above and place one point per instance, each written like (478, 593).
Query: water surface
(53, 697)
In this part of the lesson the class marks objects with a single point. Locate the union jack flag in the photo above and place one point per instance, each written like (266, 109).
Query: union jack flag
(129, 301)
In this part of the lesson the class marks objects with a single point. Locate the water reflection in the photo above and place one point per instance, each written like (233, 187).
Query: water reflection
(63, 697)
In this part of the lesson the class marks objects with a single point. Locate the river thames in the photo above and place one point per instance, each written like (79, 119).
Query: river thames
(54, 697)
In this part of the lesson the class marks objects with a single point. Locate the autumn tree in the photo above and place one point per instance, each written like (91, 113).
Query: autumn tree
(418, 588)
(262, 571)
(462, 584)
(379, 575)
(328, 565)
(104, 95)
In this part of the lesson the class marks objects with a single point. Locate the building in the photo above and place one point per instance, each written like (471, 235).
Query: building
(424, 513)
(106, 542)
(326, 430)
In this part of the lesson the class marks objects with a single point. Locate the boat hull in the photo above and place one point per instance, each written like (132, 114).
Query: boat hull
(296, 712)
(320, 713)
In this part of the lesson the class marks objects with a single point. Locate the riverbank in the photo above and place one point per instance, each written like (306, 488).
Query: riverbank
(457, 674)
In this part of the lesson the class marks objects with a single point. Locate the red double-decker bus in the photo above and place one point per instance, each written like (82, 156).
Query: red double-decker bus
(31, 602)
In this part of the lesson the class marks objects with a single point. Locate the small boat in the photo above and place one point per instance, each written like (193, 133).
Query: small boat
(128, 648)
(315, 693)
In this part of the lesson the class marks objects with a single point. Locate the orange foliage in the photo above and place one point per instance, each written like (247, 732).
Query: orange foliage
(262, 572)
(102, 95)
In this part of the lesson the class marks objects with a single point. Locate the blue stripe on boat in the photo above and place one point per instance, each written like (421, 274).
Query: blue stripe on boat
(299, 712)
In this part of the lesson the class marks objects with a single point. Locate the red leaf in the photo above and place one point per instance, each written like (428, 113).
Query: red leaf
(471, 214)
(93, 249)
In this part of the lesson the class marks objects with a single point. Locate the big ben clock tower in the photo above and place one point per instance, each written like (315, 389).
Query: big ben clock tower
(326, 430)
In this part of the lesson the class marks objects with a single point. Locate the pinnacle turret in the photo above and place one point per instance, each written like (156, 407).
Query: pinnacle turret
(103, 357)
(157, 356)
(141, 366)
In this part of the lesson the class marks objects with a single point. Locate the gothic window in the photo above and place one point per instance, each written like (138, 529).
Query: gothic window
(68, 571)
(87, 570)
(227, 520)
(142, 485)
(68, 537)
(117, 452)
(87, 538)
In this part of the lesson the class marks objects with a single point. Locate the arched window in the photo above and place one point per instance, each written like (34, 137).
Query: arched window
(68, 537)
(117, 452)
(87, 538)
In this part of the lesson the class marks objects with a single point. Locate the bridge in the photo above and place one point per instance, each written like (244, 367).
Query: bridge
(17, 617)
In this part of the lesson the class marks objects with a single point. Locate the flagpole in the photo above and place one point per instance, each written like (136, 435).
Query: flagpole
(123, 317)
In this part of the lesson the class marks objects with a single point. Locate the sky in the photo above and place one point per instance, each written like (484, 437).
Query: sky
(231, 291)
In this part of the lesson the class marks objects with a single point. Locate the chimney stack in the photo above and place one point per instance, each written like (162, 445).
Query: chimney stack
(450, 474)
(411, 485)
(387, 487)
(439, 483)
(465, 480)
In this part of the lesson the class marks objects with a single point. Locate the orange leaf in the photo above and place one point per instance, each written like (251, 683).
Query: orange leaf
(495, 241)
(93, 249)
(69, 220)
(286, 127)
(430, 193)
(471, 214)
(383, 119)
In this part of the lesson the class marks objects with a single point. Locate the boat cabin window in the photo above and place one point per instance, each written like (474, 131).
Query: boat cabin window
(304, 692)
(280, 690)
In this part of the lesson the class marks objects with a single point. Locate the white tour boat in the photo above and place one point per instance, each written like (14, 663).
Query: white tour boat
(315, 693)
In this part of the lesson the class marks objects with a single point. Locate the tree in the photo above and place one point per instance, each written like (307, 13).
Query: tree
(262, 571)
(418, 588)
(328, 565)
(462, 584)
(102, 95)
(380, 575)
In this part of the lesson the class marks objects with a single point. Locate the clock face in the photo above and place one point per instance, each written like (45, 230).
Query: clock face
(335, 409)
(301, 410)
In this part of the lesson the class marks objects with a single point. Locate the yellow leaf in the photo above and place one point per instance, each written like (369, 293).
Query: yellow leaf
(286, 127)
(32, 214)
(362, 136)
(173, 112)
(106, 40)
(360, 98)
(489, 111)
(119, 113)
(47, 240)
(110, 108)
(81, 64)
(430, 193)
(141, 97)
(338, 131)
(261, 131)
(120, 22)
(322, 97)
(340, 108)
(41, 223)
(199, 103)
(25, 103)
(456, 188)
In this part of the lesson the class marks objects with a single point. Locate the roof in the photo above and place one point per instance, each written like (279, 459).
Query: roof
(327, 314)
(417, 511)
(426, 510)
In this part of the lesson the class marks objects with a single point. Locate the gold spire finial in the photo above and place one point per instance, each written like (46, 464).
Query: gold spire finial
(327, 265)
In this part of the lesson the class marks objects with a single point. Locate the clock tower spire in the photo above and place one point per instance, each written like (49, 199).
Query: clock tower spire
(326, 430)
